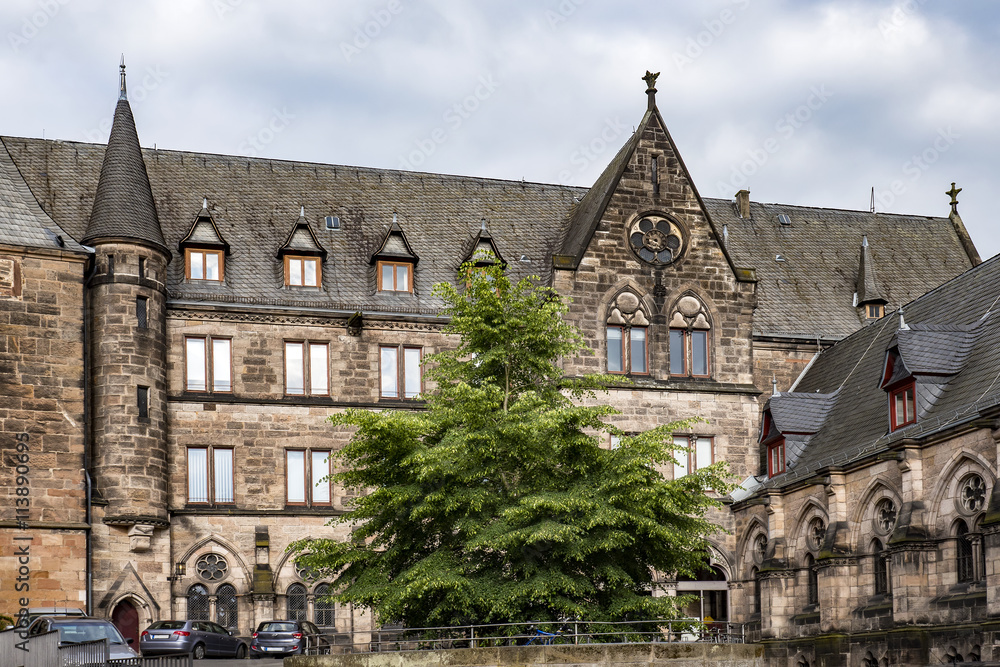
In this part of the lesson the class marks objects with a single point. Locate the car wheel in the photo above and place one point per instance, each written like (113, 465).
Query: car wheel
(199, 652)
(241, 652)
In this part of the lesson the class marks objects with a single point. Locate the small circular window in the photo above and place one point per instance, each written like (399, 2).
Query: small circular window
(656, 239)
(885, 516)
(816, 533)
(212, 567)
(972, 494)
(760, 547)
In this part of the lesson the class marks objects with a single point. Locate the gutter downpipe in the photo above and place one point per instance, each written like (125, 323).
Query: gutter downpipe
(87, 424)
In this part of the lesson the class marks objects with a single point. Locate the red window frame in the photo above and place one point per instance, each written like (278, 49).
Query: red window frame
(908, 393)
(776, 457)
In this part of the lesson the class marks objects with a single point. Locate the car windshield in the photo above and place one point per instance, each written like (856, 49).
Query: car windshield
(167, 625)
(75, 633)
(277, 627)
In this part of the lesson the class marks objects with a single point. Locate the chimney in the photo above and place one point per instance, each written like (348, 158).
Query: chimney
(743, 203)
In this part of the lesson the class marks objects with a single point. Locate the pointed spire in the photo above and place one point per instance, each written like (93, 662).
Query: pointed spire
(867, 286)
(124, 205)
(903, 326)
(204, 203)
(122, 95)
(774, 386)
(302, 211)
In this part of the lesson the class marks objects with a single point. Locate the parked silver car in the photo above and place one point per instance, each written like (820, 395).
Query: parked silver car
(200, 638)
(77, 630)
(279, 638)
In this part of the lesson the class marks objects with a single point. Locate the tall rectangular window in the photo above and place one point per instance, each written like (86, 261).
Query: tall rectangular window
(141, 303)
(142, 400)
(689, 355)
(394, 276)
(307, 368)
(776, 458)
(400, 371)
(305, 473)
(902, 406)
(627, 349)
(208, 363)
(142, 268)
(210, 475)
(204, 264)
(302, 271)
(700, 454)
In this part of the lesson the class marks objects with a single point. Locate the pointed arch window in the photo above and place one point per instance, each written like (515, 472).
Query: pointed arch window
(326, 616)
(226, 607)
(295, 602)
(755, 575)
(690, 339)
(812, 581)
(197, 603)
(627, 332)
(881, 568)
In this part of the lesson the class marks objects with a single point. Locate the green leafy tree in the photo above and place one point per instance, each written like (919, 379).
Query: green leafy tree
(497, 503)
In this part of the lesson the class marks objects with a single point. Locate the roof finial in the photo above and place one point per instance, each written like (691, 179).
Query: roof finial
(121, 81)
(204, 202)
(903, 326)
(302, 211)
(393, 217)
(774, 386)
(864, 240)
(483, 224)
(650, 80)
(954, 197)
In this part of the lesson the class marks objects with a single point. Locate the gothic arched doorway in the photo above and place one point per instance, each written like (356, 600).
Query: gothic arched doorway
(126, 618)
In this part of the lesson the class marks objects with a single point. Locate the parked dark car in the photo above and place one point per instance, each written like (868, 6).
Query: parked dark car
(276, 638)
(77, 630)
(200, 638)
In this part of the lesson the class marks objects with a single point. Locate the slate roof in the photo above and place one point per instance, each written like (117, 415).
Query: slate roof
(935, 349)
(810, 293)
(961, 319)
(123, 205)
(253, 202)
(22, 221)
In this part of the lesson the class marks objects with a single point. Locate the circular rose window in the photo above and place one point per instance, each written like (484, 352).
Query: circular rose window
(212, 567)
(656, 239)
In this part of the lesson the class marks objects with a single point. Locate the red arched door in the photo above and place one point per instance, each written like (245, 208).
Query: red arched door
(126, 618)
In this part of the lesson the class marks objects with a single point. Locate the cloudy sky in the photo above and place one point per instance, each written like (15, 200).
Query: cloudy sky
(811, 103)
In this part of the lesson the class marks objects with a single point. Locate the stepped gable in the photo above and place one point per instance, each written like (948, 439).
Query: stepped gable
(22, 221)
(857, 424)
(123, 203)
(810, 293)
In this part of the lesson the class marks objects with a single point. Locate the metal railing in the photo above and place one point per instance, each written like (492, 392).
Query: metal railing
(544, 634)
(94, 653)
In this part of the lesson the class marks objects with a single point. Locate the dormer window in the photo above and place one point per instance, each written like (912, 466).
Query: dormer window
(874, 311)
(902, 406)
(302, 256)
(394, 261)
(776, 457)
(302, 271)
(204, 264)
(395, 276)
(204, 249)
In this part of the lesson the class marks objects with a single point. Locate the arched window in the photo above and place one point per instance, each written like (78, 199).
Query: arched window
(296, 602)
(226, 612)
(197, 599)
(963, 546)
(754, 574)
(812, 581)
(881, 568)
(326, 616)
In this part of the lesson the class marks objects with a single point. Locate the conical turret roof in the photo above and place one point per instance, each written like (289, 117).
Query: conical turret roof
(123, 205)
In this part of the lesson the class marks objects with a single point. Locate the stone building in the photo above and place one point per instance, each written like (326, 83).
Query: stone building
(184, 357)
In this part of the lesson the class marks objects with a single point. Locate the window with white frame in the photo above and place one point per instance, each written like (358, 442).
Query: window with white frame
(698, 452)
(399, 370)
(210, 475)
(306, 473)
(208, 364)
(307, 368)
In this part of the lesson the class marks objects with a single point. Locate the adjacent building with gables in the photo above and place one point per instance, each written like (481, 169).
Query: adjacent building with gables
(177, 326)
